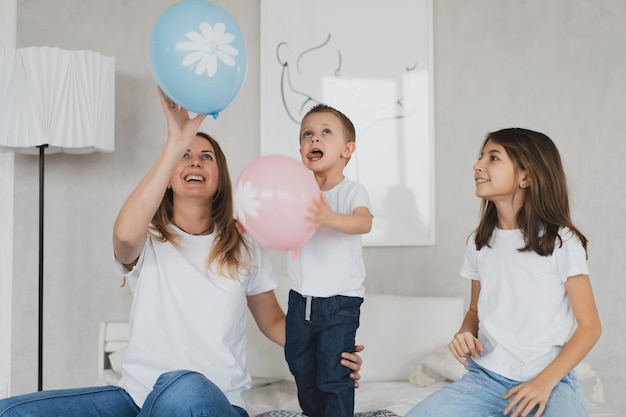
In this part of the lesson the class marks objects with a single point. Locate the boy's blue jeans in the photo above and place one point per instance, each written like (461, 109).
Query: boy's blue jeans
(479, 394)
(315, 339)
(177, 393)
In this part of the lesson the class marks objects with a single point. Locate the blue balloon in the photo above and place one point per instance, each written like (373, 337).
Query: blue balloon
(198, 56)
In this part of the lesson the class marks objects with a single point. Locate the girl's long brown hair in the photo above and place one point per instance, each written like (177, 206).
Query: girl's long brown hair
(546, 206)
(230, 250)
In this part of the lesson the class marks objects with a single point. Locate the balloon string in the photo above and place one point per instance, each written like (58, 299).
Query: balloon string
(296, 255)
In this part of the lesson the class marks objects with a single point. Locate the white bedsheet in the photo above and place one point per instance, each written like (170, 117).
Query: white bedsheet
(397, 397)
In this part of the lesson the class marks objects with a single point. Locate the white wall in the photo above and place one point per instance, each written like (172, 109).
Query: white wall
(7, 39)
(555, 66)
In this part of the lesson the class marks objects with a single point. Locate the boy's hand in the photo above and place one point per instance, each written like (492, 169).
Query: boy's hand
(320, 213)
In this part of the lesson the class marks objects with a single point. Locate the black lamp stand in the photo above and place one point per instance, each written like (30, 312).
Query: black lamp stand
(42, 152)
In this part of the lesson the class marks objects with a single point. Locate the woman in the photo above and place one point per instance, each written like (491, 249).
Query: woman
(192, 274)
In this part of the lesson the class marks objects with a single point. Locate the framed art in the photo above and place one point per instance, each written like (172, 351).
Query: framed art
(373, 62)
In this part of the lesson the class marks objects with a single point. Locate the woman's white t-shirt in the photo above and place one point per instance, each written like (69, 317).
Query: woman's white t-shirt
(525, 316)
(183, 318)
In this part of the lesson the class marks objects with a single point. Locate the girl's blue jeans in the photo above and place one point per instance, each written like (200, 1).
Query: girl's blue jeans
(479, 394)
(177, 393)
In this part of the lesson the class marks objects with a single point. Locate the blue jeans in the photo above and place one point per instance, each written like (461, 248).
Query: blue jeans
(177, 393)
(313, 347)
(479, 394)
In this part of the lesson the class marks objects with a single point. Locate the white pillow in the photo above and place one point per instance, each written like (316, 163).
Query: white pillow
(590, 382)
(444, 364)
(399, 331)
(116, 360)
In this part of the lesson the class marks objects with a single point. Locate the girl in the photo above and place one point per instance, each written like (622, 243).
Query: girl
(192, 275)
(532, 315)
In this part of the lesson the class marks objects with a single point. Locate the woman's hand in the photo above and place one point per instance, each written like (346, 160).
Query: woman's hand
(240, 227)
(180, 127)
(353, 362)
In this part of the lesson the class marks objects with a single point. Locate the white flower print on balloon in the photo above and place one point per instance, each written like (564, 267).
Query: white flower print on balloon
(246, 201)
(207, 46)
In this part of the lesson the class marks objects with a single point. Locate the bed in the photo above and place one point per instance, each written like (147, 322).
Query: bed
(405, 360)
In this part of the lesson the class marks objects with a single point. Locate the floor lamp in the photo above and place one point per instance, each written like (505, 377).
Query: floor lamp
(54, 100)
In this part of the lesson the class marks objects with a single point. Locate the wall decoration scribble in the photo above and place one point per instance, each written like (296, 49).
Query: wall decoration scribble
(373, 63)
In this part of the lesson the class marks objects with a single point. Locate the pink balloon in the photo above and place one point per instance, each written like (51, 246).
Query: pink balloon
(272, 198)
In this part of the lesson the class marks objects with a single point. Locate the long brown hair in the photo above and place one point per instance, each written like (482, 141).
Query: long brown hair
(546, 206)
(230, 250)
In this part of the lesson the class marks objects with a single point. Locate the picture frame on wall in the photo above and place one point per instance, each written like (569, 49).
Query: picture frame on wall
(373, 62)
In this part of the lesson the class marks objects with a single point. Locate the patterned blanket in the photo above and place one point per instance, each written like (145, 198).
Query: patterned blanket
(283, 413)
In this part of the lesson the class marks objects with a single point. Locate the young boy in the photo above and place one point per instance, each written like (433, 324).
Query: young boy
(327, 277)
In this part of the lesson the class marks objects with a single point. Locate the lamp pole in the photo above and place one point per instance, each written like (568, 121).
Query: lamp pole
(42, 151)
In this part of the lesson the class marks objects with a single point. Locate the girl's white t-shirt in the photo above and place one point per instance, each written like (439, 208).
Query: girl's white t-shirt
(183, 318)
(525, 316)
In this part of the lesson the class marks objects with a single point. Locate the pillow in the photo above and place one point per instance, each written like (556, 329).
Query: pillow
(439, 365)
(444, 364)
(399, 331)
(420, 377)
(116, 360)
(590, 382)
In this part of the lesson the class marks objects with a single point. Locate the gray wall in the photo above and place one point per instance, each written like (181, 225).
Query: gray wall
(556, 66)
(7, 38)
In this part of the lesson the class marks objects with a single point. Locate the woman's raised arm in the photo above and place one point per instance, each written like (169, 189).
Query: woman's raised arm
(131, 226)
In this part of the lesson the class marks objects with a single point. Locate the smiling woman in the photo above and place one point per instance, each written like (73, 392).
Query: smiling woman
(193, 277)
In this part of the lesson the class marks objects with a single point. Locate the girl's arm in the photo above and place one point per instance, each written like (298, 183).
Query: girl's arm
(131, 226)
(537, 390)
(270, 318)
(359, 222)
(465, 343)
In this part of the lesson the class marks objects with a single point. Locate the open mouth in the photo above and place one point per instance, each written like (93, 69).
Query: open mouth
(194, 178)
(315, 155)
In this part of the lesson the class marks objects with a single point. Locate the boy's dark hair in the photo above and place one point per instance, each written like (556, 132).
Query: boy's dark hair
(348, 127)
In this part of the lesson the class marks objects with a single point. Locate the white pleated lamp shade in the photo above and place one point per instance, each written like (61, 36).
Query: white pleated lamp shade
(55, 97)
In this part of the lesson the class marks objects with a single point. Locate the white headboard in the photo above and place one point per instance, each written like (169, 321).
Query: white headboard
(397, 331)
(113, 337)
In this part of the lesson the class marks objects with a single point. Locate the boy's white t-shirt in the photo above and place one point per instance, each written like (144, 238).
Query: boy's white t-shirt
(182, 319)
(525, 316)
(331, 262)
